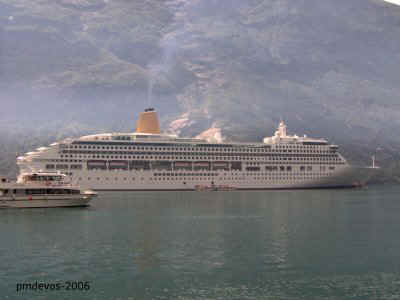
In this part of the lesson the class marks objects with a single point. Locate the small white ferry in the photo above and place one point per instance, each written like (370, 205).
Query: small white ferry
(42, 190)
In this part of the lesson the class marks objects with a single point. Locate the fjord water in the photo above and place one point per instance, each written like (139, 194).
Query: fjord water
(303, 244)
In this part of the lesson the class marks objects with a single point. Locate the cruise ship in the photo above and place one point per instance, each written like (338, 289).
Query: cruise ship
(150, 160)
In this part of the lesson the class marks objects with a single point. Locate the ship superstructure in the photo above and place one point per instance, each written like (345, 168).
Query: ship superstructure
(150, 160)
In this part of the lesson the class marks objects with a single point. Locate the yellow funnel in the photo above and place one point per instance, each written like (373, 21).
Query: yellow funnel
(148, 122)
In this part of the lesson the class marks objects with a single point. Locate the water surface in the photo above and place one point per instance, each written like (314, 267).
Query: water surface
(311, 244)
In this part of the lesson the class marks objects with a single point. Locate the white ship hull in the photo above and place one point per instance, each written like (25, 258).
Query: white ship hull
(345, 177)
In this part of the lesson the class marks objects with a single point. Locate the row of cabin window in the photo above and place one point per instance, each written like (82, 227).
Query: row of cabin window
(248, 169)
(291, 175)
(153, 145)
(310, 176)
(268, 155)
(289, 149)
(171, 152)
(302, 168)
(52, 166)
(205, 177)
(334, 159)
(237, 168)
(167, 169)
(186, 174)
(63, 167)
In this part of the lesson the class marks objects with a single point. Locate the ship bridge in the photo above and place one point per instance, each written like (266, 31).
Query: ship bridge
(281, 137)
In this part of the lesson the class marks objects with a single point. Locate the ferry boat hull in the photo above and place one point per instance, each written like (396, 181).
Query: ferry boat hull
(45, 203)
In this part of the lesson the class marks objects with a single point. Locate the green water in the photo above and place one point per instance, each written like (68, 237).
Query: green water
(316, 244)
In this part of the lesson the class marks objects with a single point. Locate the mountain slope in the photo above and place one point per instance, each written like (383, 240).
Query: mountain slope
(328, 67)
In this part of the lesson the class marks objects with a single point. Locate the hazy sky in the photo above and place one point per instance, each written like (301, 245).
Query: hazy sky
(393, 1)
